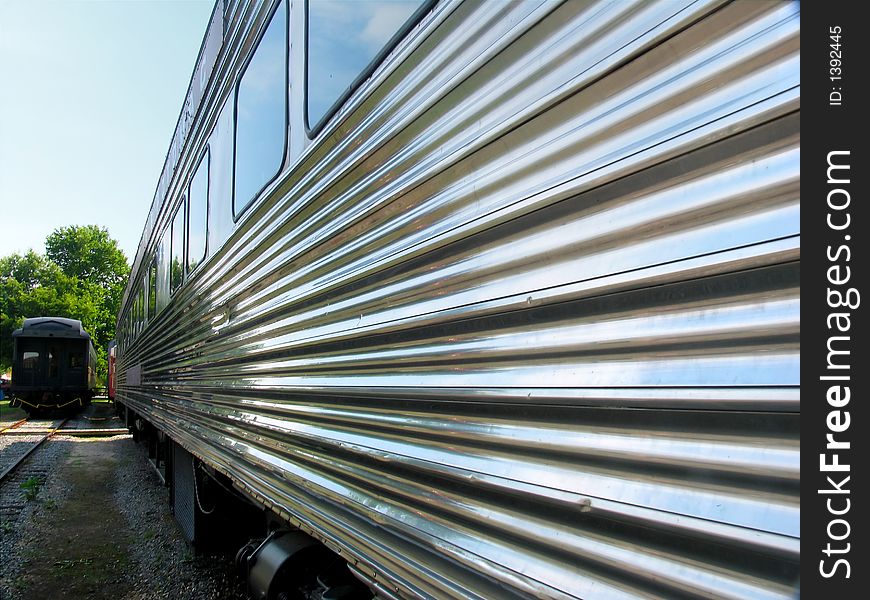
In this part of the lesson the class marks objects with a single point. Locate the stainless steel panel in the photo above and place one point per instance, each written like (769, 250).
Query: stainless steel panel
(524, 320)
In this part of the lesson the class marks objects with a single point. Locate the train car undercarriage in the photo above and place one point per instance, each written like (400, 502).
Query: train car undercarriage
(39, 403)
(278, 560)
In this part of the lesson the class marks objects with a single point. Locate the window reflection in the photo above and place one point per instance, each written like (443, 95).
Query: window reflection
(197, 215)
(176, 265)
(141, 306)
(220, 179)
(164, 257)
(152, 289)
(137, 303)
(30, 360)
(261, 109)
(344, 37)
(52, 361)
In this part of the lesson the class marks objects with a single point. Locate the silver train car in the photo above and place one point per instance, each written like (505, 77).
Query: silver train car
(482, 299)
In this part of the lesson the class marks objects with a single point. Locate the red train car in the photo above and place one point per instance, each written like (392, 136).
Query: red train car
(110, 385)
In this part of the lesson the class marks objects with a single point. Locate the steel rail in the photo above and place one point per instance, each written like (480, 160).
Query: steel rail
(11, 468)
(14, 425)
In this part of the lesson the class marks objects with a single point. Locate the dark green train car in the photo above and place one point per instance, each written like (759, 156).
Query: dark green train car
(53, 365)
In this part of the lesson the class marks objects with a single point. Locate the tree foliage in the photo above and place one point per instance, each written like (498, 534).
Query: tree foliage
(81, 276)
(89, 254)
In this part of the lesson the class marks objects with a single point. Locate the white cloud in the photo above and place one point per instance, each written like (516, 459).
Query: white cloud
(385, 19)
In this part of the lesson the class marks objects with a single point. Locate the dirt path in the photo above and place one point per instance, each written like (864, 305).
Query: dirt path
(99, 525)
(78, 547)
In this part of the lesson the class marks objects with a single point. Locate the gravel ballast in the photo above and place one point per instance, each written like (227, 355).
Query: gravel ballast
(101, 527)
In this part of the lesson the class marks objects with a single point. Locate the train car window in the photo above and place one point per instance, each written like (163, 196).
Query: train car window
(261, 115)
(197, 219)
(163, 251)
(136, 315)
(52, 361)
(141, 307)
(30, 361)
(346, 41)
(220, 179)
(152, 288)
(76, 360)
(176, 252)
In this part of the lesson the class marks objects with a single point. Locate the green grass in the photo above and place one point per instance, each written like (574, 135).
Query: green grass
(69, 564)
(10, 415)
(31, 488)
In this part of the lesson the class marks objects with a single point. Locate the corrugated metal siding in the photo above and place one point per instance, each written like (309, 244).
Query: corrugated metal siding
(525, 321)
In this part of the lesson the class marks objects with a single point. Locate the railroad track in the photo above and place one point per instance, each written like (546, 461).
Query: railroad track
(37, 432)
(22, 449)
(27, 460)
(13, 426)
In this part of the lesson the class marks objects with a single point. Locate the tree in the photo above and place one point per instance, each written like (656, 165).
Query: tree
(82, 276)
(89, 254)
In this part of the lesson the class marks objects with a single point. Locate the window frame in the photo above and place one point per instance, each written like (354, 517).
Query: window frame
(140, 299)
(313, 131)
(71, 356)
(25, 358)
(205, 158)
(182, 207)
(136, 312)
(282, 5)
(54, 362)
(151, 284)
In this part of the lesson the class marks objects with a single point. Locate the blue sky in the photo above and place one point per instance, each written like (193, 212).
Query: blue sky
(89, 96)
